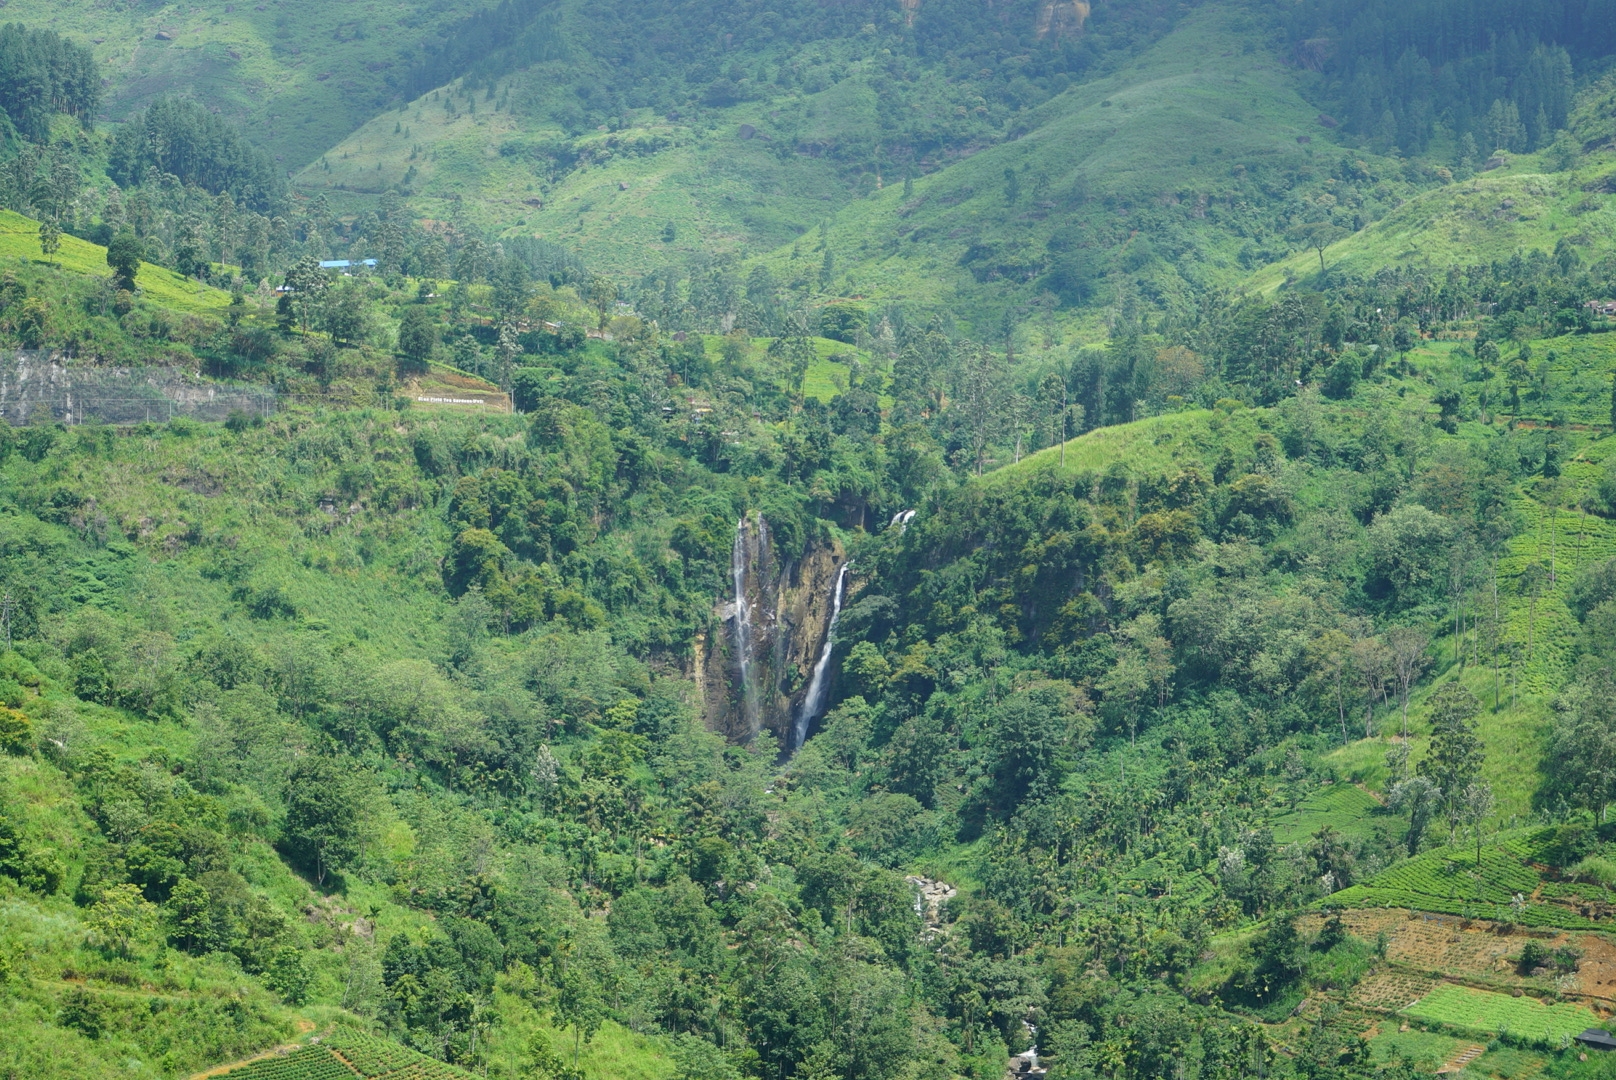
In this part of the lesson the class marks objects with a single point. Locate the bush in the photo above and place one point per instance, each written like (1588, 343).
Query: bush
(1533, 956)
(16, 733)
(1599, 870)
(83, 1012)
(265, 601)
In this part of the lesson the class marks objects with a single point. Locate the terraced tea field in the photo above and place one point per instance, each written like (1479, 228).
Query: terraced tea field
(1481, 1010)
(1448, 881)
(1346, 808)
(344, 1055)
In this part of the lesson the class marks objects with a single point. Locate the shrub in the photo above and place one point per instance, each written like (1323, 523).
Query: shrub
(1597, 869)
(1533, 956)
(16, 733)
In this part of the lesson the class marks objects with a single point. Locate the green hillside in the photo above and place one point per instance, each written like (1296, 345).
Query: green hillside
(1098, 203)
(1493, 216)
(771, 540)
(1139, 183)
(299, 80)
(19, 243)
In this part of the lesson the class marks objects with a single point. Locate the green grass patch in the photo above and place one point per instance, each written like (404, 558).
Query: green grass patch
(19, 239)
(1482, 1010)
(1160, 444)
(1346, 808)
(1425, 1050)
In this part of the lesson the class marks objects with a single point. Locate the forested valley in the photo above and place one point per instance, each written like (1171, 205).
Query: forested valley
(930, 541)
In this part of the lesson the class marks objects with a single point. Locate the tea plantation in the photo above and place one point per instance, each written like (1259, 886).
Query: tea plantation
(345, 1054)
(1507, 887)
(1524, 1017)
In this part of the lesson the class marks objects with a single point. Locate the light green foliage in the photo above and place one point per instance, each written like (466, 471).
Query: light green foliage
(1524, 1017)
(120, 919)
(1444, 880)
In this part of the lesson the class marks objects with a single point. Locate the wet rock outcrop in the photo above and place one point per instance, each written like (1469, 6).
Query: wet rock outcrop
(754, 669)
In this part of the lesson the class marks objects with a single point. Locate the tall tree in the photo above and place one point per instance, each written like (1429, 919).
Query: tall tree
(982, 394)
(308, 284)
(327, 804)
(1454, 760)
(50, 238)
(1407, 645)
(417, 337)
(1582, 748)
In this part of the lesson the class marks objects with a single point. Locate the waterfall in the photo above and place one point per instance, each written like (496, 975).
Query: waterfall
(743, 625)
(813, 703)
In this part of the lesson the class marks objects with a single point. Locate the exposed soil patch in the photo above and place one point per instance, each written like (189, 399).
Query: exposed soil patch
(1425, 948)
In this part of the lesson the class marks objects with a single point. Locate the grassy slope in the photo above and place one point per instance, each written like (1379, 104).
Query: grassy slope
(1518, 207)
(1522, 205)
(368, 586)
(19, 239)
(1158, 443)
(300, 77)
(723, 194)
(1167, 124)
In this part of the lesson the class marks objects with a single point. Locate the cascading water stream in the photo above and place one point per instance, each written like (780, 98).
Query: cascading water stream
(743, 625)
(813, 703)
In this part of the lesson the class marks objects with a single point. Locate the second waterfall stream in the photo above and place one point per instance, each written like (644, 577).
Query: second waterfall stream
(813, 702)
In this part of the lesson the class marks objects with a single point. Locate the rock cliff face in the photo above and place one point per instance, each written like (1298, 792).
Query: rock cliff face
(753, 671)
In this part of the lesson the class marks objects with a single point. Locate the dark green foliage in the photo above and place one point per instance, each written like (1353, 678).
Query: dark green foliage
(326, 807)
(43, 73)
(180, 138)
(417, 337)
(1500, 73)
(514, 34)
(124, 253)
(1456, 754)
(1583, 744)
(1030, 738)
(31, 865)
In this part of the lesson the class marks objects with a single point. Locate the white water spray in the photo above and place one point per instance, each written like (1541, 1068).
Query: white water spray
(813, 703)
(743, 624)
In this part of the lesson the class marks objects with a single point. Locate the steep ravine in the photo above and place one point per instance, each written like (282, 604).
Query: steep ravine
(788, 605)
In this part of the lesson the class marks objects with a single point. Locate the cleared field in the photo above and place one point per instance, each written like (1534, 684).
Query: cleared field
(1391, 991)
